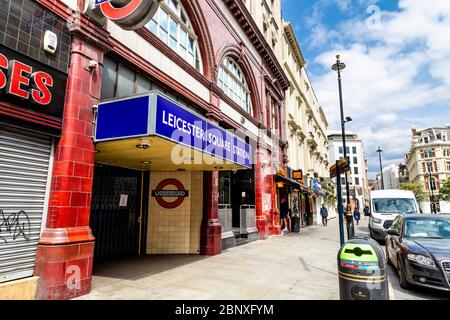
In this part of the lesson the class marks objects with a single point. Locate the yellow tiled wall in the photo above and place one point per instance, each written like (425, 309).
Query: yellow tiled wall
(176, 231)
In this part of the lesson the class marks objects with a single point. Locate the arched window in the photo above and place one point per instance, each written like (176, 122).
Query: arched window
(171, 24)
(232, 82)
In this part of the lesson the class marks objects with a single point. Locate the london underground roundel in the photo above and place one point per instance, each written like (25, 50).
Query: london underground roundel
(128, 14)
(162, 195)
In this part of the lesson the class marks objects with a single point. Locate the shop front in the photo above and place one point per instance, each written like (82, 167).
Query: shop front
(163, 168)
(289, 188)
(33, 84)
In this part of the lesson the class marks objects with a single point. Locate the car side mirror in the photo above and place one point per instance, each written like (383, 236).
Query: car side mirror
(393, 232)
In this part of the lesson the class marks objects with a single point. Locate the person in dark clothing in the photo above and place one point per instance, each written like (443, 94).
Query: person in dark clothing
(324, 214)
(357, 216)
(284, 214)
(366, 211)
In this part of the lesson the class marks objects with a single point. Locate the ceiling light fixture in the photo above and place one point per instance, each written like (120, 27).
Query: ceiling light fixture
(144, 146)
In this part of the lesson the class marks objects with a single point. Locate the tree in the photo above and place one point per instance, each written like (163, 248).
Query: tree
(445, 190)
(416, 188)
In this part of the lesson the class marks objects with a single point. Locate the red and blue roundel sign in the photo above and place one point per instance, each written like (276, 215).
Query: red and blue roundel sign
(128, 14)
(160, 194)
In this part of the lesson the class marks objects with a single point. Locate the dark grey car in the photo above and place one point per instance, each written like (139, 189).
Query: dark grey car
(419, 247)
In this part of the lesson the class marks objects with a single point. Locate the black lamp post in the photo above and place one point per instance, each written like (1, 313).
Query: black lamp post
(338, 66)
(433, 207)
(379, 150)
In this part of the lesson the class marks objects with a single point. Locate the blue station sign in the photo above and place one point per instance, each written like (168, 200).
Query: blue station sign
(156, 115)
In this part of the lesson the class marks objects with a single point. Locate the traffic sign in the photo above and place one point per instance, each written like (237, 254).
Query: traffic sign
(342, 166)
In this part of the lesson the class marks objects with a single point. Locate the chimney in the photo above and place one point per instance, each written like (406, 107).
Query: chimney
(414, 131)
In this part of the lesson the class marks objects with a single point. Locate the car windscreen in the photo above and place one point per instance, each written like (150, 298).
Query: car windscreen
(427, 228)
(394, 205)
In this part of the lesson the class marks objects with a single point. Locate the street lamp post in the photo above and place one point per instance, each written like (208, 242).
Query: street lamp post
(433, 207)
(379, 150)
(338, 66)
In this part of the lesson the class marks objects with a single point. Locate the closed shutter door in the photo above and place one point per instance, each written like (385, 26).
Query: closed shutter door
(25, 160)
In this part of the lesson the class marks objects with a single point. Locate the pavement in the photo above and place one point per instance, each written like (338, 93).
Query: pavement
(288, 267)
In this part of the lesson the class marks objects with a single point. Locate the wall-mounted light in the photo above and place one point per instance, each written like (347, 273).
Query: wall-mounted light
(146, 162)
(144, 146)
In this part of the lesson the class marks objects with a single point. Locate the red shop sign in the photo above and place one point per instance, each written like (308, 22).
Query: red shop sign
(27, 83)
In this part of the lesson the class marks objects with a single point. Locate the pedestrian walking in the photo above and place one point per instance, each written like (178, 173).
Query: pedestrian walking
(324, 214)
(284, 215)
(357, 216)
(366, 211)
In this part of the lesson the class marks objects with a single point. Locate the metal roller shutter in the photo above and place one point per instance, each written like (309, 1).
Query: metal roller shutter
(25, 164)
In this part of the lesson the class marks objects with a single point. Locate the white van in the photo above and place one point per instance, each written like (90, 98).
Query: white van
(385, 206)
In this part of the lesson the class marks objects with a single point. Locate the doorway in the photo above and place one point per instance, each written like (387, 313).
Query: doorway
(117, 213)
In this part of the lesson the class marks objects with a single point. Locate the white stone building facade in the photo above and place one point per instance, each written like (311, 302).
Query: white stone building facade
(428, 162)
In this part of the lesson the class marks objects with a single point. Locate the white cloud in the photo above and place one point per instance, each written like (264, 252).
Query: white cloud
(403, 66)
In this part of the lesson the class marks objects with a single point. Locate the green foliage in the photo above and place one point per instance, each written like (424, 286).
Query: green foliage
(416, 188)
(445, 190)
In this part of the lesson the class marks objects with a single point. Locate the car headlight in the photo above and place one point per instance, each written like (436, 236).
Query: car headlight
(420, 259)
(376, 220)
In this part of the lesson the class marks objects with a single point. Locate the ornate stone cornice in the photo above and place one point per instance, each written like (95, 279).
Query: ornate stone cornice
(248, 25)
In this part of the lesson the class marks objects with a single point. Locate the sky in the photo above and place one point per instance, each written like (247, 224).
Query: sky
(397, 54)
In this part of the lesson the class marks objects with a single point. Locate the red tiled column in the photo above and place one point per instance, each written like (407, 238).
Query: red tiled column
(65, 252)
(261, 217)
(211, 230)
(275, 223)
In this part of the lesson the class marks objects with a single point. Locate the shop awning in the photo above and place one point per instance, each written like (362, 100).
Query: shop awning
(153, 132)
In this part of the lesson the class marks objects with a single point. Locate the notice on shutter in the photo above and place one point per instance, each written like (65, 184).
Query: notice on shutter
(24, 169)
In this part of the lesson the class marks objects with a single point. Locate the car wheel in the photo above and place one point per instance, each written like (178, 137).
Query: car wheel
(402, 275)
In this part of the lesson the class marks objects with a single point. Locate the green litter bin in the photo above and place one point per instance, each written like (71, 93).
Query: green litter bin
(362, 271)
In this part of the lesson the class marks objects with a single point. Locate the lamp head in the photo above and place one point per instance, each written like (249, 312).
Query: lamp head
(348, 119)
(338, 66)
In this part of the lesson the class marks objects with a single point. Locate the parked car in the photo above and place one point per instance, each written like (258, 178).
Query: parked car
(418, 246)
(386, 205)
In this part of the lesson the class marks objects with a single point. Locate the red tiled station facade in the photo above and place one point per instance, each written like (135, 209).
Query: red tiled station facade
(66, 249)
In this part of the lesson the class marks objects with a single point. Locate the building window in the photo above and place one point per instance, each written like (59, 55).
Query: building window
(448, 166)
(355, 160)
(425, 139)
(341, 150)
(433, 184)
(233, 83)
(430, 167)
(120, 81)
(357, 181)
(171, 24)
(355, 170)
(354, 150)
(273, 115)
(446, 152)
(428, 153)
